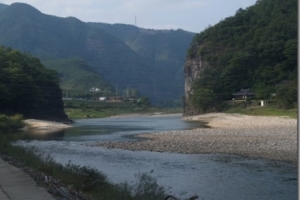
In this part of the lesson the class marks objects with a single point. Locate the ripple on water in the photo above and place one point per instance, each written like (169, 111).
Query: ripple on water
(212, 177)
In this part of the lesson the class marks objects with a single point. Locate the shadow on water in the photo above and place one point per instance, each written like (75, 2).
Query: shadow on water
(36, 135)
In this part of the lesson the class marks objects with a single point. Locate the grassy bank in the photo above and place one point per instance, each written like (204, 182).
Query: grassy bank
(79, 109)
(263, 111)
(87, 180)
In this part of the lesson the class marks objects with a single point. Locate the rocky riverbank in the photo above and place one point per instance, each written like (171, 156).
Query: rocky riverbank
(254, 136)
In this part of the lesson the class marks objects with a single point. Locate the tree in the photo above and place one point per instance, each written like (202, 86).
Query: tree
(256, 48)
(204, 99)
(27, 87)
(286, 94)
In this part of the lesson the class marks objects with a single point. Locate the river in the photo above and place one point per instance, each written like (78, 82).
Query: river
(211, 177)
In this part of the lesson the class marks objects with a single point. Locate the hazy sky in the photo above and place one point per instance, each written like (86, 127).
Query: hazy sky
(190, 15)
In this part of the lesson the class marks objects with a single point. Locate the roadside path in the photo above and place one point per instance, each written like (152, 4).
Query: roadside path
(15, 184)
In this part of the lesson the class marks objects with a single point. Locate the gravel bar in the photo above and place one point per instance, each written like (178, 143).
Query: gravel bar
(252, 136)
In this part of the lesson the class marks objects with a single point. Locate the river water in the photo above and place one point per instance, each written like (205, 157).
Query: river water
(211, 177)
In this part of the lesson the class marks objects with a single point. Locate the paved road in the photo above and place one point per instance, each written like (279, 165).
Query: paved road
(15, 184)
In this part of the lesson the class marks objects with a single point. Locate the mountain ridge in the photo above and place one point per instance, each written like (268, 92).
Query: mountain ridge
(51, 37)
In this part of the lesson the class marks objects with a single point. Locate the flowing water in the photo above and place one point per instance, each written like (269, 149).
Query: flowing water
(211, 177)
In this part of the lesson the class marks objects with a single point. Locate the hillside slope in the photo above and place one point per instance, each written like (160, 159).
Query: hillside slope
(49, 37)
(255, 49)
(164, 50)
(79, 78)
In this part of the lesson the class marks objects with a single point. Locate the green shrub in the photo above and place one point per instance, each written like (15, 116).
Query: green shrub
(11, 123)
(286, 95)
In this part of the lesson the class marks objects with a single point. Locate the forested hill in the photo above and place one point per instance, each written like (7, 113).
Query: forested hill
(164, 49)
(256, 49)
(28, 88)
(53, 38)
(80, 76)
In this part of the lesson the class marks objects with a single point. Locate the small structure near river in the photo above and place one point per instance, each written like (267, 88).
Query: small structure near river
(243, 94)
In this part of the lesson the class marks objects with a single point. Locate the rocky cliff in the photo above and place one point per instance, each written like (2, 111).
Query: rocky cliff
(50, 107)
(192, 71)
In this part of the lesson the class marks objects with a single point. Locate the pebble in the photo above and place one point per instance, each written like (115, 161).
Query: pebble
(263, 137)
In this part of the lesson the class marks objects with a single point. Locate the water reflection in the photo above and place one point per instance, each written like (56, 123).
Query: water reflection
(38, 135)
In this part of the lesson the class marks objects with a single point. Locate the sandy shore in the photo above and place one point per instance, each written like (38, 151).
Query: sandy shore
(43, 126)
(254, 136)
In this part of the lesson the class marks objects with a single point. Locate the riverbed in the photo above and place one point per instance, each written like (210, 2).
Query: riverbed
(211, 176)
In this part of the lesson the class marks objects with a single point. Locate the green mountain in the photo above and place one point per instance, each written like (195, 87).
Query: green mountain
(256, 49)
(78, 78)
(164, 50)
(156, 72)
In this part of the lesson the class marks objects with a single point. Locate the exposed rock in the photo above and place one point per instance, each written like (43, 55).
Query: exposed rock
(192, 69)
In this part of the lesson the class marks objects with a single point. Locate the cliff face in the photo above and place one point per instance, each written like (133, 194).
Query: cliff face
(52, 108)
(192, 70)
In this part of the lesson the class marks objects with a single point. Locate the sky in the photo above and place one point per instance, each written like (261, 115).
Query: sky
(189, 15)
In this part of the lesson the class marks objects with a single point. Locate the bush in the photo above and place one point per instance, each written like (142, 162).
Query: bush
(286, 95)
(11, 123)
(145, 188)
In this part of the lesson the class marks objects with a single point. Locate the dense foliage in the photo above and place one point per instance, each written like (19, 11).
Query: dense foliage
(256, 49)
(11, 123)
(27, 87)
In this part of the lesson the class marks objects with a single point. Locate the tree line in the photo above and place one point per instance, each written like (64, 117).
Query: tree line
(256, 49)
(27, 87)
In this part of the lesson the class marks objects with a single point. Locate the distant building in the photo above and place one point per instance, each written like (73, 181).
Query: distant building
(243, 94)
(115, 99)
(102, 99)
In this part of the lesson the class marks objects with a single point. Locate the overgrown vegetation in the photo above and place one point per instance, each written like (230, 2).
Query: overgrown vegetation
(256, 49)
(27, 87)
(10, 123)
(90, 181)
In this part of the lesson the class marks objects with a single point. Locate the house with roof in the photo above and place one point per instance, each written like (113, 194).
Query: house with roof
(243, 94)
